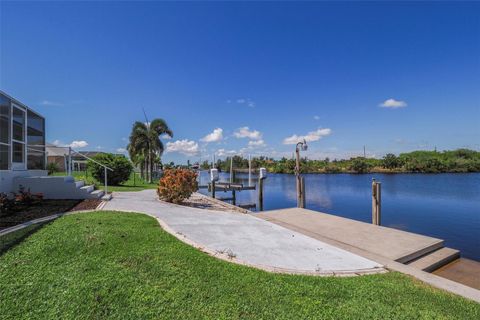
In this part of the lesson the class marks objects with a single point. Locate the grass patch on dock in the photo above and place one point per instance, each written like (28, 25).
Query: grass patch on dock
(124, 266)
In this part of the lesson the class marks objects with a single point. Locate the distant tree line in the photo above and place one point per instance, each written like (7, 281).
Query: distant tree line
(460, 160)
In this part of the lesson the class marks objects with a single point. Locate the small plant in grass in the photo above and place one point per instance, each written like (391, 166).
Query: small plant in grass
(177, 185)
(52, 167)
(121, 166)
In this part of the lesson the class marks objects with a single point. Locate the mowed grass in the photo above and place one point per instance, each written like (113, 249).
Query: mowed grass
(124, 266)
(134, 183)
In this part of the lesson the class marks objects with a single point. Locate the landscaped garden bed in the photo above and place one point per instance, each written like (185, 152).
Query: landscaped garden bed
(23, 212)
(115, 265)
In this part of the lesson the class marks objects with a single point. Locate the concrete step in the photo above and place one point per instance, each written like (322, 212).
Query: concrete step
(88, 189)
(79, 184)
(436, 259)
(97, 194)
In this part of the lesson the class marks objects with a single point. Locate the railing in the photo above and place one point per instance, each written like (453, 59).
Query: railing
(70, 150)
(88, 158)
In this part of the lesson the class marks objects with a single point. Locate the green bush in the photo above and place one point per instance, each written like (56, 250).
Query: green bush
(390, 161)
(122, 168)
(360, 165)
(52, 167)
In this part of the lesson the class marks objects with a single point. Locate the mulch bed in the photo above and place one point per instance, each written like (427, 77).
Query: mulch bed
(44, 208)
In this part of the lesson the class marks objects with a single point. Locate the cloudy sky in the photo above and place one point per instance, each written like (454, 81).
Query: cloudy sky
(250, 78)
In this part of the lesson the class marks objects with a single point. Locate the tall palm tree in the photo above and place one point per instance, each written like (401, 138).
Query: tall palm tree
(145, 141)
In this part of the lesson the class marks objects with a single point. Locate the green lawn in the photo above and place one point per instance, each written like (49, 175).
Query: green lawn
(133, 184)
(124, 266)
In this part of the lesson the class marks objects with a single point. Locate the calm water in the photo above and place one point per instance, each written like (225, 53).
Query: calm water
(446, 206)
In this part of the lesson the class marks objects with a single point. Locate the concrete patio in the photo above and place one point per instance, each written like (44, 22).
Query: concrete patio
(245, 239)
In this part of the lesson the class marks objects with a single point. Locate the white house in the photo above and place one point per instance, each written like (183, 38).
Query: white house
(23, 156)
(22, 140)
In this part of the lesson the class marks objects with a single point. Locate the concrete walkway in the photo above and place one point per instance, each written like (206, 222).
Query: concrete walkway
(245, 239)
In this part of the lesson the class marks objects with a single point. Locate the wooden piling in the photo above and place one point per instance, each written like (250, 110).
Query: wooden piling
(300, 191)
(213, 189)
(376, 202)
(302, 198)
(260, 194)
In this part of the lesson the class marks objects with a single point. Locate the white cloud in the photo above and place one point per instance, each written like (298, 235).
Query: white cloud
(316, 117)
(223, 152)
(57, 143)
(309, 137)
(186, 147)
(256, 143)
(78, 144)
(165, 137)
(121, 150)
(215, 136)
(393, 104)
(246, 101)
(245, 132)
(49, 103)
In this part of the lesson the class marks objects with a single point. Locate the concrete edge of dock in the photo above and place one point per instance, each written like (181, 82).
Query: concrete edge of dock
(428, 278)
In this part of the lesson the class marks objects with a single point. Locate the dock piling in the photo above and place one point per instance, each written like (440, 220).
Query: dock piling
(262, 176)
(376, 202)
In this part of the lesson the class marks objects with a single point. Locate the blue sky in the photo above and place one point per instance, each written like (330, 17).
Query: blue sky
(249, 77)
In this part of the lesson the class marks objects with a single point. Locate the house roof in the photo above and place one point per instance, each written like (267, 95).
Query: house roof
(54, 151)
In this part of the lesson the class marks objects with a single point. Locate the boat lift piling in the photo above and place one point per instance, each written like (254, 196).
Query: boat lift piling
(215, 185)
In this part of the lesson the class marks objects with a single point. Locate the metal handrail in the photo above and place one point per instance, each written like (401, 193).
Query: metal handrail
(70, 150)
(92, 160)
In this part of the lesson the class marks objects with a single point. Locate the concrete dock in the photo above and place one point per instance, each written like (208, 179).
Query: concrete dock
(421, 252)
(246, 239)
(402, 251)
(394, 244)
(463, 270)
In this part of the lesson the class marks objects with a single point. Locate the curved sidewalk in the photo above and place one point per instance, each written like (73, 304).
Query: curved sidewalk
(245, 239)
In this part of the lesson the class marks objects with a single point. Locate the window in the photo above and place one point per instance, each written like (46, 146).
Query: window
(18, 124)
(4, 157)
(4, 132)
(18, 151)
(4, 119)
(35, 141)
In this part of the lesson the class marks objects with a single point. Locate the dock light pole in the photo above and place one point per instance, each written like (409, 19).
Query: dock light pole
(299, 179)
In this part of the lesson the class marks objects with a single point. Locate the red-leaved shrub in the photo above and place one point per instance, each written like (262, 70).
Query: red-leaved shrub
(177, 185)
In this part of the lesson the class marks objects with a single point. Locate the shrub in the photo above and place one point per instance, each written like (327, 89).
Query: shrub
(121, 166)
(6, 204)
(360, 165)
(390, 161)
(52, 167)
(24, 196)
(177, 185)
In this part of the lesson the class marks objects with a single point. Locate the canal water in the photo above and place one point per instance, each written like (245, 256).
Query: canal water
(445, 206)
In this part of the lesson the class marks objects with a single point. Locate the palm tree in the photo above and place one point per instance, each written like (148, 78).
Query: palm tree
(145, 141)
